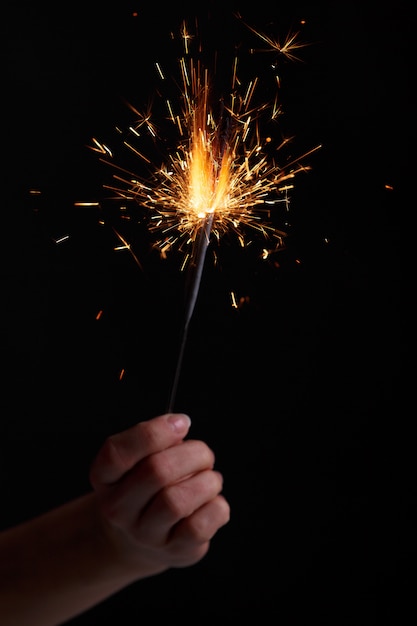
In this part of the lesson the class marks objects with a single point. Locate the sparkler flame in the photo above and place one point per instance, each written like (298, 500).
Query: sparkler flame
(221, 165)
(223, 174)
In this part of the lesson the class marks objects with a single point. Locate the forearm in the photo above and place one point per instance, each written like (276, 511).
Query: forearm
(57, 566)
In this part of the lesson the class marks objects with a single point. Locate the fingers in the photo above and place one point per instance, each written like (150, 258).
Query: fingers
(124, 502)
(158, 494)
(121, 452)
(175, 503)
(190, 538)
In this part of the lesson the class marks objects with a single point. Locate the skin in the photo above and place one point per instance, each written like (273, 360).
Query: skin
(155, 504)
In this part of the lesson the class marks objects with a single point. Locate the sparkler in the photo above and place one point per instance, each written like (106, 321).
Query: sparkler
(221, 177)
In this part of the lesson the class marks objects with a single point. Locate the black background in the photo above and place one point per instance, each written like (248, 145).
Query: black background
(300, 392)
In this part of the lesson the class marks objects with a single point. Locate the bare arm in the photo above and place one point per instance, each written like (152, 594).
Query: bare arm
(155, 504)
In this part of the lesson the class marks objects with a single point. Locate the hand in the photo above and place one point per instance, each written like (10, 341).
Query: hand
(159, 496)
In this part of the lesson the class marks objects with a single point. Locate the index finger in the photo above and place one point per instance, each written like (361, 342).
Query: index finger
(122, 451)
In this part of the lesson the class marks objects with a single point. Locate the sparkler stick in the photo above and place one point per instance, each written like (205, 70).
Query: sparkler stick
(197, 269)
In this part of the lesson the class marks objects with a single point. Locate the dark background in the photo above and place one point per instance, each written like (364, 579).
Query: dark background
(300, 392)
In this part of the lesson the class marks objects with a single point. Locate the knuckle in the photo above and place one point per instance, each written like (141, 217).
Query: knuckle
(176, 501)
(204, 454)
(224, 510)
(200, 529)
(104, 459)
(114, 454)
(148, 435)
(209, 485)
(160, 467)
(217, 481)
(204, 527)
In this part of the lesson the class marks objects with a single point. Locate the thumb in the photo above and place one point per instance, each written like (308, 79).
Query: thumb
(122, 451)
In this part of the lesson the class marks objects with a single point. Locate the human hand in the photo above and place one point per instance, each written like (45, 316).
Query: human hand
(158, 495)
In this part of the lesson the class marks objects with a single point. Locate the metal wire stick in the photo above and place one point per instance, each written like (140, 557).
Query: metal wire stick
(192, 293)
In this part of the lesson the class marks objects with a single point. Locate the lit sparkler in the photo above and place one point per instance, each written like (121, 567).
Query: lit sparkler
(222, 175)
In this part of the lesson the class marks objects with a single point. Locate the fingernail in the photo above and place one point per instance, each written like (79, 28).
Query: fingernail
(179, 422)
